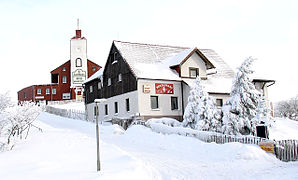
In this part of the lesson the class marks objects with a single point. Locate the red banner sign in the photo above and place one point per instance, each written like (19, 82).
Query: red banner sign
(162, 88)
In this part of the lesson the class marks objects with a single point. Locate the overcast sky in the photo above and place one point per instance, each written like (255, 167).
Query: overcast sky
(35, 34)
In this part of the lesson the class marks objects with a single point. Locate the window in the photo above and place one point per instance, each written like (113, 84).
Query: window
(174, 103)
(66, 96)
(193, 72)
(25, 96)
(154, 102)
(38, 91)
(93, 68)
(116, 107)
(106, 109)
(219, 102)
(48, 91)
(99, 85)
(54, 91)
(78, 62)
(109, 82)
(96, 111)
(64, 69)
(64, 79)
(91, 89)
(119, 77)
(115, 57)
(127, 105)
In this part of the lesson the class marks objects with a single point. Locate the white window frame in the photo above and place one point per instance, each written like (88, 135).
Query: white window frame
(196, 70)
(127, 105)
(106, 106)
(116, 107)
(66, 96)
(157, 103)
(64, 79)
(99, 85)
(172, 97)
(54, 91)
(48, 91)
(91, 89)
(38, 91)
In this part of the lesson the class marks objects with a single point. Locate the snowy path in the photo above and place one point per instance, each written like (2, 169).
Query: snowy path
(66, 150)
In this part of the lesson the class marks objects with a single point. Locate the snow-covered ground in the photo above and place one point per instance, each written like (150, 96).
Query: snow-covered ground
(284, 129)
(66, 149)
(70, 105)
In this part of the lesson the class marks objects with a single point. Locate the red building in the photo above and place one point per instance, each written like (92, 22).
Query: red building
(67, 79)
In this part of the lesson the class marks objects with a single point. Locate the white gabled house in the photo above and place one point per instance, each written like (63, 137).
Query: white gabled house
(149, 80)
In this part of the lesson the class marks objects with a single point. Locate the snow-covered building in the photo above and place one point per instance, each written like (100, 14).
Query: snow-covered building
(150, 80)
(66, 79)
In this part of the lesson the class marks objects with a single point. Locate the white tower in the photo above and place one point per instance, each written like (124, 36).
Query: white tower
(78, 61)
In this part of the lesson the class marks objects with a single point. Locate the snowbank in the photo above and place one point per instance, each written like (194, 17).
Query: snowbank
(67, 150)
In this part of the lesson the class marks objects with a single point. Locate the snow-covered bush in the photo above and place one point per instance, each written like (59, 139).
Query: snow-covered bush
(201, 111)
(241, 107)
(5, 101)
(16, 123)
(166, 121)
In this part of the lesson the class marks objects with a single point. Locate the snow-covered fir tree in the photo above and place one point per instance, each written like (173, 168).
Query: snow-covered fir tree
(190, 117)
(263, 114)
(201, 112)
(241, 107)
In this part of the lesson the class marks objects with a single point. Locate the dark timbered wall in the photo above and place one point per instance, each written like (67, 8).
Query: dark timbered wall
(112, 70)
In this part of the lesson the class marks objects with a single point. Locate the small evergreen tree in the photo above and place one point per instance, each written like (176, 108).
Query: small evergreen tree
(201, 112)
(241, 107)
(190, 117)
(263, 115)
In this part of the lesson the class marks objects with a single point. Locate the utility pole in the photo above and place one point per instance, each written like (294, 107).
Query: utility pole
(98, 101)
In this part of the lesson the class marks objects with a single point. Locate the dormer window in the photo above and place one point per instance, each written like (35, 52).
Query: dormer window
(193, 72)
(78, 62)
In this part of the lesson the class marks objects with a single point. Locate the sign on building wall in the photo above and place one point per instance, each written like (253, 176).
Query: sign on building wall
(146, 88)
(163, 88)
(79, 76)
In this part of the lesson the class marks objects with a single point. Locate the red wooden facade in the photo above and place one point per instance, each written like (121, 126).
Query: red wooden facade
(58, 89)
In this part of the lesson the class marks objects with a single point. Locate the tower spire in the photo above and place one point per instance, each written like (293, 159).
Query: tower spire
(78, 24)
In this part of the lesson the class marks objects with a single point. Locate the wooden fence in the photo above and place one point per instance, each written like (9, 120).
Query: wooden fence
(286, 150)
(69, 113)
(221, 139)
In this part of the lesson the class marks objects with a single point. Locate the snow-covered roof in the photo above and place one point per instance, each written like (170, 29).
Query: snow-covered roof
(222, 69)
(154, 61)
(96, 75)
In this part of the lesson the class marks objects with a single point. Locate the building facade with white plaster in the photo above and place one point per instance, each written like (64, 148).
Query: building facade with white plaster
(152, 81)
